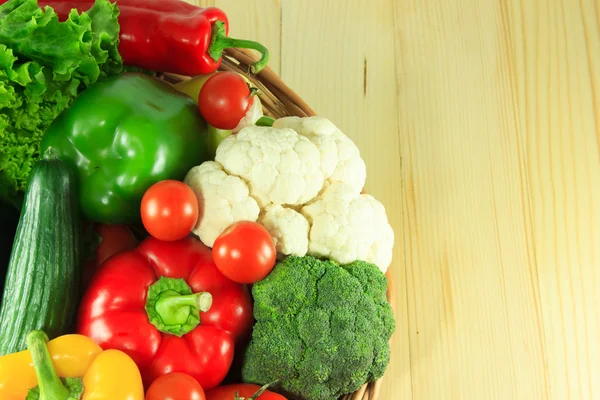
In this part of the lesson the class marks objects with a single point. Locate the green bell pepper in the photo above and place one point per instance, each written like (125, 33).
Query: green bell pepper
(124, 134)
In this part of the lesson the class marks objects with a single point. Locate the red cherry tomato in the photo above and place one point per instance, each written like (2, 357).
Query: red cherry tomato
(175, 386)
(224, 100)
(169, 210)
(245, 390)
(245, 252)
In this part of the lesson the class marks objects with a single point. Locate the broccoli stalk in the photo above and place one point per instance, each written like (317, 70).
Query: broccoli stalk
(322, 330)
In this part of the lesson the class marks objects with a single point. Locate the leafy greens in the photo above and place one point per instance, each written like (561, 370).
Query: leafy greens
(44, 64)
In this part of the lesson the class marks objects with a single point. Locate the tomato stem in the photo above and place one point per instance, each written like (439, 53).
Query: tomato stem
(257, 394)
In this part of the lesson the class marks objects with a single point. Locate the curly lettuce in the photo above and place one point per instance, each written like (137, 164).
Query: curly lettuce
(44, 64)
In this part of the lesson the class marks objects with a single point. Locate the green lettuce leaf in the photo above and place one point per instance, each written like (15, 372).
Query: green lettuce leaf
(44, 65)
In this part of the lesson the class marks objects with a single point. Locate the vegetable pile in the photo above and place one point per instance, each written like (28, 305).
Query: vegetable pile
(169, 241)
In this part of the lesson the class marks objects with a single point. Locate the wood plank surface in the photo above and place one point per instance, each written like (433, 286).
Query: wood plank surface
(479, 121)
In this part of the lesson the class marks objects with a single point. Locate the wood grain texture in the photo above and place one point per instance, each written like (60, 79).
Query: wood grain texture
(479, 121)
(499, 120)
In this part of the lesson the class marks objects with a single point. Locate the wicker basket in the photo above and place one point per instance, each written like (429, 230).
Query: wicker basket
(278, 100)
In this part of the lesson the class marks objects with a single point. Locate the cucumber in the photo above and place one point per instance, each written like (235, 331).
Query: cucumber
(43, 278)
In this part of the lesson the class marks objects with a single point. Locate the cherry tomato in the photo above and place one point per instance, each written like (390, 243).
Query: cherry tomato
(169, 210)
(175, 386)
(245, 390)
(244, 252)
(115, 239)
(224, 100)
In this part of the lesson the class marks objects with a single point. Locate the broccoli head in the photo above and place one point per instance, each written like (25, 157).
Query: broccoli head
(322, 329)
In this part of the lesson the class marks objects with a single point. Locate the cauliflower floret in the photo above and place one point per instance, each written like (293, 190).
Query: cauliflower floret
(340, 157)
(346, 226)
(280, 166)
(288, 228)
(223, 200)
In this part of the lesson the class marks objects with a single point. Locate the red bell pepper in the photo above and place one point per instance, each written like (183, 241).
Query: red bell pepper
(169, 308)
(169, 36)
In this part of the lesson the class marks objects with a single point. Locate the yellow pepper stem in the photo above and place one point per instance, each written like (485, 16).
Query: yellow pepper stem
(50, 386)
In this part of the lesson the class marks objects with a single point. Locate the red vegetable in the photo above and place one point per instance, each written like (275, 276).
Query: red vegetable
(245, 252)
(170, 37)
(244, 390)
(114, 239)
(175, 386)
(224, 100)
(154, 303)
(169, 210)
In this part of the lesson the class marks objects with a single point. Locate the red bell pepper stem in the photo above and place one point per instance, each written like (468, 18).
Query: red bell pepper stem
(173, 308)
(221, 42)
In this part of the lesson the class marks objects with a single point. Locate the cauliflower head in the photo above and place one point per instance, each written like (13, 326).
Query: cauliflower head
(223, 200)
(288, 228)
(280, 166)
(340, 157)
(302, 180)
(346, 226)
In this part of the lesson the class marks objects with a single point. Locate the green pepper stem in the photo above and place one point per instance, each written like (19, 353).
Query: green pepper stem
(50, 385)
(220, 41)
(175, 309)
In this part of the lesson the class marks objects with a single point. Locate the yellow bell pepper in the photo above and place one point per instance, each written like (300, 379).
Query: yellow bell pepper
(88, 372)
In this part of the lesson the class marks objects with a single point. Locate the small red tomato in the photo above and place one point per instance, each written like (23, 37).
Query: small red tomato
(244, 252)
(175, 386)
(244, 390)
(224, 100)
(169, 210)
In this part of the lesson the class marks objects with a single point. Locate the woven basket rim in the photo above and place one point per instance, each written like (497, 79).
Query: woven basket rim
(279, 100)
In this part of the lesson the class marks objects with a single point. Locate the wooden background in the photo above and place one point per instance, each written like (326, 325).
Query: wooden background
(479, 121)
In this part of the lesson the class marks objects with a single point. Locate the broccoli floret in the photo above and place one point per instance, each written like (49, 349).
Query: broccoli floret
(322, 329)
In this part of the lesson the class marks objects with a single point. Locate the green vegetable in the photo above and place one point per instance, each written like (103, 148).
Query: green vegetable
(123, 135)
(44, 65)
(322, 330)
(42, 283)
